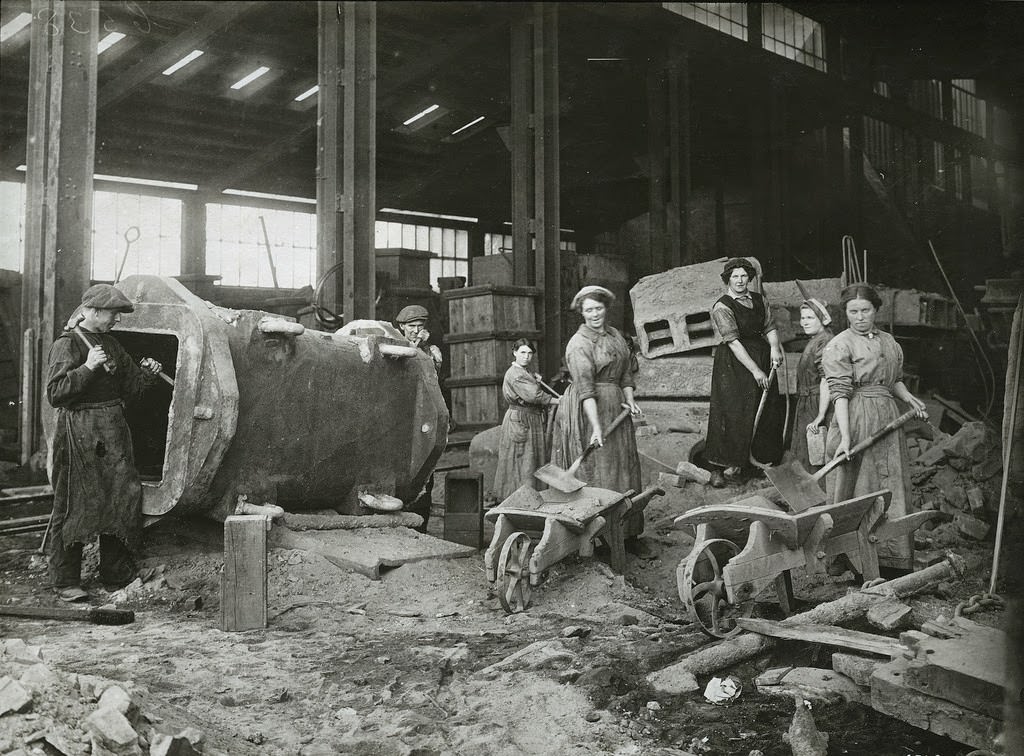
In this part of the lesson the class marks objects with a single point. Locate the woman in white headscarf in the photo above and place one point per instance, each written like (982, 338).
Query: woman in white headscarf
(812, 404)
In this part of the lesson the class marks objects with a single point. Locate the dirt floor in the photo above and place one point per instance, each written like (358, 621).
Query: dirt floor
(403, 665)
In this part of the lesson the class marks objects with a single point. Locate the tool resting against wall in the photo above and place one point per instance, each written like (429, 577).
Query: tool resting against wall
(96, 486)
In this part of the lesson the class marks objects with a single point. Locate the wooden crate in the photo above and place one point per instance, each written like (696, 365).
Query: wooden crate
(489, 308)
(478, 405)
(464, 508)
(489, 354)
(404, 267)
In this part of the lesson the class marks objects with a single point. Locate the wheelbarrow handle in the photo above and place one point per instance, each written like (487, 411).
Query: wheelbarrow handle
(885, 429)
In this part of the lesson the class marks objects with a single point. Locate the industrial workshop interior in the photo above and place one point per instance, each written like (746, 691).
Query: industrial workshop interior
(502, 378)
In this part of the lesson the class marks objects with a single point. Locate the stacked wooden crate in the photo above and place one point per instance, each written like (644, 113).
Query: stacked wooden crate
(484, 322)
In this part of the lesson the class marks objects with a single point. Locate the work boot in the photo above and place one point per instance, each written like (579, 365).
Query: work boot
(72, 594)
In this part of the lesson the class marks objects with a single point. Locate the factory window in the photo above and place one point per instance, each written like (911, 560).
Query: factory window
(728, 18)
(968, 110)
(926, 96)
(878, 144)
(236, 249)
(448, 247)
(133, 234)
(882, 88)
(12, 225)
(792, 35)
(501, 244)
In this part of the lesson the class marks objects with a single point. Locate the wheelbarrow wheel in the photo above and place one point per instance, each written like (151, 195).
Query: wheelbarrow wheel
(702, 588)
(514, 573)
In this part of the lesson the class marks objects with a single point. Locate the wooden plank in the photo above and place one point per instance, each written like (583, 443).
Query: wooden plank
(891, 696)
(243, 586)
(826, 634)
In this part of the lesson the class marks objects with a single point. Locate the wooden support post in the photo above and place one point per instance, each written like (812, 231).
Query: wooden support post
(522, 151)
(243, 584)
(679, 158)
(346, 155)
(193, 235)
(28, 421)
(656, 116)
(60, 165)
(547, 182)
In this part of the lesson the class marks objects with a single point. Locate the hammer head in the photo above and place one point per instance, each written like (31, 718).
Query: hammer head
(75, 320)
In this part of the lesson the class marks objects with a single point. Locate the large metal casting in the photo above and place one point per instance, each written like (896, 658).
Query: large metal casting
(265, 409)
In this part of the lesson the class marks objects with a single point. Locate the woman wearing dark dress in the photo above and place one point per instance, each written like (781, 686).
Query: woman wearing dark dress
(522, 448)
(598, 359)
(750, 345)
(812, 403)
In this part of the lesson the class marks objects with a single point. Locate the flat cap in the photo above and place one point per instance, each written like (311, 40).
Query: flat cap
(410, 313)
(106, 297)
(602, 295)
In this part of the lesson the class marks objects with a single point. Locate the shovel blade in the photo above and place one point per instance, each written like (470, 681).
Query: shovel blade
(557, 478)
(800, 490)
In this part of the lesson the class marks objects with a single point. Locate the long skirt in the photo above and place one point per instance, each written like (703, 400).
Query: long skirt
(614, 466)
(735, 396)
(883, 465)
(521, 450)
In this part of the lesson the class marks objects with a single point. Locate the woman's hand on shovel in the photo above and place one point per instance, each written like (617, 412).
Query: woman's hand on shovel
(843, 450)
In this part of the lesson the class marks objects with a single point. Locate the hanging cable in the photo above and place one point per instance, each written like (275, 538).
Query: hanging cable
(325, 317)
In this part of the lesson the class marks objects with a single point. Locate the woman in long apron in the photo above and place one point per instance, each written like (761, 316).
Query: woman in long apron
(812, 403)
(522, 448)
(864, 370)
(598, 360)
(750, 345)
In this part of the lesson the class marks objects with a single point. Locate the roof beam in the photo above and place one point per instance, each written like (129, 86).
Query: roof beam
(170, 52)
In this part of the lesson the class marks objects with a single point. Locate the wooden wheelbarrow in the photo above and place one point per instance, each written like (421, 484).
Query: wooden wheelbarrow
(744, 547)
(563, 524)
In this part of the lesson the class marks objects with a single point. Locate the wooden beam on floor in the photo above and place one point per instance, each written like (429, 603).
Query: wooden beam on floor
(243, 586)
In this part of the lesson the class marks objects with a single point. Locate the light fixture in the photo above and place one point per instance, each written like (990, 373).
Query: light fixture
(308, 93)
(604, 60)
(422, 113)
(145, 182)
(14, 26)
(250, 78)
(420, 214)
(264, 195)
(466, 126)
(108, 41)
(183, 62)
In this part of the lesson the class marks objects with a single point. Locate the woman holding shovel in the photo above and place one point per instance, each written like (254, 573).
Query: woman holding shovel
(598, 359)
(740, 374)
(864, 370)
(812, 404)
(522, 448)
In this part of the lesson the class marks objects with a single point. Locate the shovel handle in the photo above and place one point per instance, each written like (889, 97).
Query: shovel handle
(586, 452)
(547, 388)
(885, 429)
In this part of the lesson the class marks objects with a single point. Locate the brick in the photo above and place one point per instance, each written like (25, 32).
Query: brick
(976, 499)
(971, 527)
(112, 733)
(668, 479)
(13, 696)
(693, 472)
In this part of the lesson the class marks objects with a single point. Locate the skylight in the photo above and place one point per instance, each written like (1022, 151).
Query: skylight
(14, 26)
(308, 93)
(264, 195)
(250, 78)
(420, 115)
(145, 182)
(183, 62)
(466, 126)
(108, 41)
(420, 214)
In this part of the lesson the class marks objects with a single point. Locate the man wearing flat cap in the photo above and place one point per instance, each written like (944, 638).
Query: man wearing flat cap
(96, 488)
(412, 322)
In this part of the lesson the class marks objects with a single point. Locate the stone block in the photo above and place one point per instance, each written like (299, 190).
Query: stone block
(483, 457)
(693, 472)
(16, 650)
(976, 499)
(115, 697)
(932, 455)
(945, 478)
(971, 527)
(643, 431)
(890, 615)
(988, 467)
(112, 733)
(667, 479)
(817, 685)
(672, 681)
(972, 441)
(13, 696)
(857, 668)
(39, 677)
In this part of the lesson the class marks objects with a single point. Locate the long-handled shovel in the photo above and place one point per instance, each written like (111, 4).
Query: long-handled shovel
(800, 489)
(566, 480)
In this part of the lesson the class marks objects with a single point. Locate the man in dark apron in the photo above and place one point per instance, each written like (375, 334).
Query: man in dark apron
(96, 487)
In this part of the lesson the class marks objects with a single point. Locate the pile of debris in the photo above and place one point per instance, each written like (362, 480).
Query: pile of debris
(48, 711)
(958, 475)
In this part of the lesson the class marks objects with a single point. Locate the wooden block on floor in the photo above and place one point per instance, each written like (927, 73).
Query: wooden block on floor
(890, 615)
(857, 668)
(891, 696)
(243, 584)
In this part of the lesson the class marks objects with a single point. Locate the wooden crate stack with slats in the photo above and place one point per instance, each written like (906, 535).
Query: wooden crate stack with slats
(484, 322)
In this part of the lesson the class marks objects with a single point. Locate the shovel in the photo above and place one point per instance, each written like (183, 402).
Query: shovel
(800, 489)
(566, 480)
